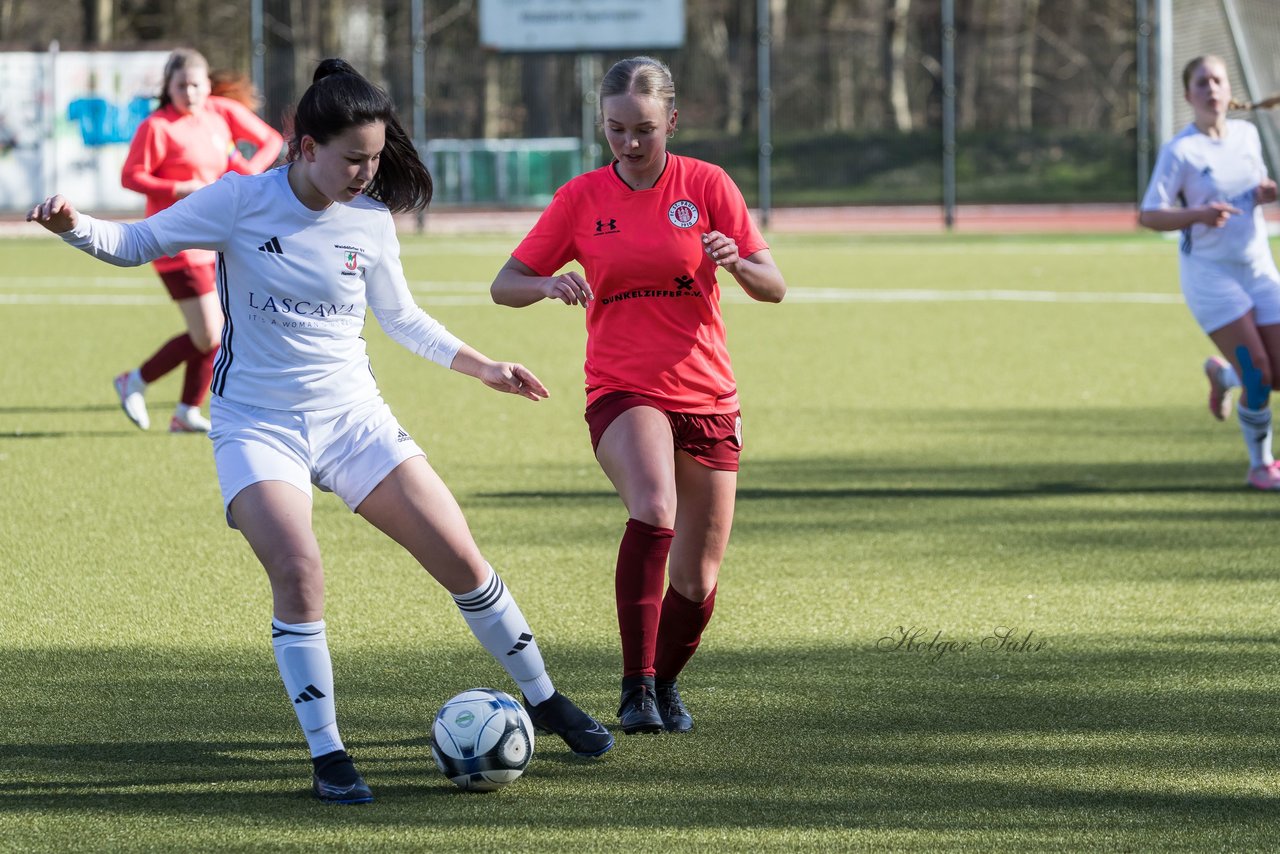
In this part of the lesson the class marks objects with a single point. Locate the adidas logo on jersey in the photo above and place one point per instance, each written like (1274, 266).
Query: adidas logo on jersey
(272, 247)
(402, 436)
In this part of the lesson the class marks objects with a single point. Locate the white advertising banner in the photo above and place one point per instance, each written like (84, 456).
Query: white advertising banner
(581, 25)
(66, 120)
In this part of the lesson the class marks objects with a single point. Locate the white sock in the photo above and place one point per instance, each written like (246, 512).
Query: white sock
(1255, 425)
(496, 621)
(1227, 376)
(302, 654)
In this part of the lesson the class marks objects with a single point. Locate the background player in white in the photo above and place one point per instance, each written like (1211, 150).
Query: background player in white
(302, 250)
(1210, 182)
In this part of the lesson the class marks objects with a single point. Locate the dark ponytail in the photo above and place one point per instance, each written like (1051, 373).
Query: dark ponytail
(340, 98)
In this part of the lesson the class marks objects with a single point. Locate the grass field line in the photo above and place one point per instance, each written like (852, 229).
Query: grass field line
(878, 245)
(982, 295)
(439, 295)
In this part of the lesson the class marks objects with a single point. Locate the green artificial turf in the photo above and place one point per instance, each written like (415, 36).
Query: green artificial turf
(995, 583)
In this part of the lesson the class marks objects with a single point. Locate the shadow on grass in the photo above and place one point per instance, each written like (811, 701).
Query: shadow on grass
(55, 410)
(67, 410)
(1143, 735)
(65, 434)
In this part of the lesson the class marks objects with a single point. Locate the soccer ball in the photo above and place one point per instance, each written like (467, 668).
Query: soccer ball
(482, 739)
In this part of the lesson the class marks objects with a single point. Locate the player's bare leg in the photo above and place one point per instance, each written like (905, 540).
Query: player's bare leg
(637, 453)
(275, 518)
(1243, 343)
(414, 507)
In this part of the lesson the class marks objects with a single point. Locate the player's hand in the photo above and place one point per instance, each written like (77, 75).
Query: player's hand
(1266, 192)
(182, 189)
(570, 288)
(54, 213)
(723, 250)
(513, 378)
(1216, 214)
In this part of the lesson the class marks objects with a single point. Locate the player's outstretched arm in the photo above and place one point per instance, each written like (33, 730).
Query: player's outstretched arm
(517, 285)
(55, 213)
(1214, 215)
(511, 377)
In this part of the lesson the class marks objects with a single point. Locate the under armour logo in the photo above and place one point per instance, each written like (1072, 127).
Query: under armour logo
(524, 640)
(606, 226)
(684, 283)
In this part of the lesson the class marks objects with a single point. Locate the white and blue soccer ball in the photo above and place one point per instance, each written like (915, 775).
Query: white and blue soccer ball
(482, 739)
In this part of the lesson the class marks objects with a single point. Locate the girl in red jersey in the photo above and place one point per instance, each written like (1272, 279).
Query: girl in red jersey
(650, 230)
(188, 142)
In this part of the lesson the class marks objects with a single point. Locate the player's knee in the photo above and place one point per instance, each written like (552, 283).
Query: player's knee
(295, 574)
(698, 589)
(656, 508)
(206, 339)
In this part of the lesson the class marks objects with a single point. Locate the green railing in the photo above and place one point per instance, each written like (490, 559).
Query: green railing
(501, 172)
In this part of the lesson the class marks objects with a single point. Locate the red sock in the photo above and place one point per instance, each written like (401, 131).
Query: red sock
(174, 352)
(680, 631)
(195, 385)
(642, 565)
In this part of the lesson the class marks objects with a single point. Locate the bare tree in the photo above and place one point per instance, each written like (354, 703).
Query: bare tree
(897, 14)
(1027, 64)
(838, 65)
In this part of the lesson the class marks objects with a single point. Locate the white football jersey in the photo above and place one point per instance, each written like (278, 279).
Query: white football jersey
(1195, 169)
(293, 284)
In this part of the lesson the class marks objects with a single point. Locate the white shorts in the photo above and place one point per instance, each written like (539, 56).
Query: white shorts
(1218, 292)
(347, 451)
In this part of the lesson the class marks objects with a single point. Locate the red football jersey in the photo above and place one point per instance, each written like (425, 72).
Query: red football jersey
(655, 326)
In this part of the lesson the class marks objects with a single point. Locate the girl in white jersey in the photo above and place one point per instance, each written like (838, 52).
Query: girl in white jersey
(302, 251)
(1210, 183)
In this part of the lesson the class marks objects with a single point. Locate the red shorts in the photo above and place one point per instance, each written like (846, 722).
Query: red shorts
(189, 282)
(713, 440)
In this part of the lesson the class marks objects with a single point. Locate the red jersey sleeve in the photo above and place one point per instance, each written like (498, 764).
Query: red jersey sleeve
(730, 215)
(549, 244)
(245, 126)
(146, 150)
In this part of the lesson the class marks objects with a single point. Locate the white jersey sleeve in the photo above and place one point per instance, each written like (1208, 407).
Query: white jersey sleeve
(120, 243)
(1165, 189)
(400, 317)
(202, 220)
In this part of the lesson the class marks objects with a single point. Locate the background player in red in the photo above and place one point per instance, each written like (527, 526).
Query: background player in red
(650, 230)
(188, 142)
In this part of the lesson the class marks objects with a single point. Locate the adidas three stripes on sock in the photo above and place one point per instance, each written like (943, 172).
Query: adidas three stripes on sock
(302, 654)
(496, 621)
